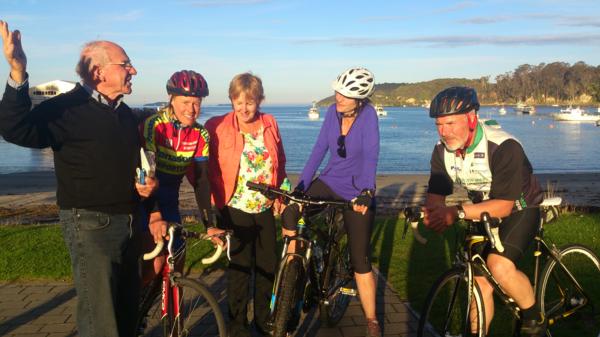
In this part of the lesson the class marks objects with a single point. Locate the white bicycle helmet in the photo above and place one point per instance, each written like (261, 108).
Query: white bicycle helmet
(355, 83)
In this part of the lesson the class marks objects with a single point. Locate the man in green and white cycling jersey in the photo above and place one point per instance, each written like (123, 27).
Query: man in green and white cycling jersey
(492, 166)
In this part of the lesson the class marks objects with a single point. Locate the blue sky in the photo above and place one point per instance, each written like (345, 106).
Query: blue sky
(298, 47)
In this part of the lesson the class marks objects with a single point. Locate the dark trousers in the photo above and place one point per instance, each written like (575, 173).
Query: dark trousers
(252, 250)
(105, 264)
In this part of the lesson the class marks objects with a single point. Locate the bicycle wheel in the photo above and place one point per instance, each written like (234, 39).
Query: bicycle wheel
(337, 274)
(149, 321)
(571, 312)
(447, 310)
(287, 304)
(199, 315)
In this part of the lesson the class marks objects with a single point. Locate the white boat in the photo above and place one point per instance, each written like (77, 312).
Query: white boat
(380, 111)
(524, 109)
(502, 110)
(575, 115)
(313, 112)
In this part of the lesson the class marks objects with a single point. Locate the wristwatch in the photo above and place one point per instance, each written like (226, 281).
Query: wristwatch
(460, 212)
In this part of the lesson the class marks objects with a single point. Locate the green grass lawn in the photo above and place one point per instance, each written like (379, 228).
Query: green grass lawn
(39, 253)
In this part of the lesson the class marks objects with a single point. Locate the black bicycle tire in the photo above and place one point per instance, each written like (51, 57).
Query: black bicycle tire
(150, 295)
(548, 271)
(330, 314)
(454, 273)
(205, 292)
(287, 295)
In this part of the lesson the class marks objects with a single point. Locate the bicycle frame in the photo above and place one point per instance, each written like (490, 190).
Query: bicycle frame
(170, 293)
(303, 236)
(474, 261)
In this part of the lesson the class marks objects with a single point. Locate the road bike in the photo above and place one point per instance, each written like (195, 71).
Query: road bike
(173, 305)
(567, 287)
(318, 272)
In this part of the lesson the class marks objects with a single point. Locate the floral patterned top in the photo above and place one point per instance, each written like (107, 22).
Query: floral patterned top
(255, 166)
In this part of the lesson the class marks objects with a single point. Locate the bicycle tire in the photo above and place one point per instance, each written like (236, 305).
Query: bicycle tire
(446, 311)
(200, 314)
(337, 272)
(149, 311)
(557, 293)
(287, 300)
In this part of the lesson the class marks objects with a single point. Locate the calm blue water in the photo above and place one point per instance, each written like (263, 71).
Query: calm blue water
(407, 138)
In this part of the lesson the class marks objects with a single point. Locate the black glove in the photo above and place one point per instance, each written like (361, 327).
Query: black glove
(364, 198)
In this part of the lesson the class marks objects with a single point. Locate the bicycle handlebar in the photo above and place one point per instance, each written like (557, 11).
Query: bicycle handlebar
(186, 233)
(297, 198)
(492, 230)
(491, 225)
(412, 215)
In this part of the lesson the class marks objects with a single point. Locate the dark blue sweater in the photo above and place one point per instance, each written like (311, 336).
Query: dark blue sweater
(96, 148)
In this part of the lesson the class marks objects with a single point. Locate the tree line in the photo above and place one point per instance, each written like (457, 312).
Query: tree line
(552, 83)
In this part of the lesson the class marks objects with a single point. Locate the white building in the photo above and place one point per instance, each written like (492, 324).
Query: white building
(42, 92)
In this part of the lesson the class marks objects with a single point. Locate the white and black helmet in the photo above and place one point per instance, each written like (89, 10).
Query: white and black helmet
(355, 83)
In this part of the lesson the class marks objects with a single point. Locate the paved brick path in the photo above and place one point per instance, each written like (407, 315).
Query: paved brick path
(46, 309)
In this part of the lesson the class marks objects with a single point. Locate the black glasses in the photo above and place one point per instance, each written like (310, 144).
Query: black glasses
(341, 151)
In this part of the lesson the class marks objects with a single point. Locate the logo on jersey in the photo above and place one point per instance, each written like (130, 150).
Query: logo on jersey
(479, 154)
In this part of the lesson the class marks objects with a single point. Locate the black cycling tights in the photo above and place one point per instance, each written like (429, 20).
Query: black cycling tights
(359, 227)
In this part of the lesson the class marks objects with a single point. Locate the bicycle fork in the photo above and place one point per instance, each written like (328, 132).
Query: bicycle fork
(303, 253)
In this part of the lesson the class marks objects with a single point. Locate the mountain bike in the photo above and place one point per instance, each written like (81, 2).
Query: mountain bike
(318, 272)
(173, 305)
(567, 287)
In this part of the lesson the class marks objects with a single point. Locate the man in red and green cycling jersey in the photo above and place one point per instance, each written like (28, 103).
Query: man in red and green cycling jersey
(179, 145)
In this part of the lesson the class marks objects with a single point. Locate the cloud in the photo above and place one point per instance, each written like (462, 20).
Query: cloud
(456, 8)
(484, 20)
(562, 20)
(384, 18)
(464, 40)
(580, 21)
(132, 15)
(223, 3)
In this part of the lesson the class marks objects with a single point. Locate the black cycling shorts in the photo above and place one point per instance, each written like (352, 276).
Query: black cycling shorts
(517, 232)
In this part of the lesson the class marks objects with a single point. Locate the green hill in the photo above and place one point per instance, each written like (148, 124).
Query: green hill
(553, 83)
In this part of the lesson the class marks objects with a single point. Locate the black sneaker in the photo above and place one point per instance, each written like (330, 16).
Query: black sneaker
(533, 328)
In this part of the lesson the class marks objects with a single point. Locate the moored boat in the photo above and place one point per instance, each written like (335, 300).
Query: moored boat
(380, 111)
(313, 112)
(524, 109)
(571, 114)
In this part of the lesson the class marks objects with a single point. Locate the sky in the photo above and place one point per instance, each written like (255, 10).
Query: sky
(298, 47)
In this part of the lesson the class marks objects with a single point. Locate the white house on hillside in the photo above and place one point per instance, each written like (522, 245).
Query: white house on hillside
(42, 92)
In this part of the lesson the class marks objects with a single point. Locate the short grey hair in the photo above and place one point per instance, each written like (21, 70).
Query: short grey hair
(92, 54)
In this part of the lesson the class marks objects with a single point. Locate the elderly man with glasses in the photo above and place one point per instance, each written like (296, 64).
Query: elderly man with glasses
(96, 151)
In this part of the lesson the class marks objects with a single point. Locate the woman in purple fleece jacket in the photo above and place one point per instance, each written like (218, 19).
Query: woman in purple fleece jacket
(350, 134)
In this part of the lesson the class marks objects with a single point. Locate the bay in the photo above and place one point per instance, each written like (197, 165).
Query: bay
(407, 139)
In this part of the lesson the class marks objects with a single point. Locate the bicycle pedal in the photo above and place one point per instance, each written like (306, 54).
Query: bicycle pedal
(348, 291)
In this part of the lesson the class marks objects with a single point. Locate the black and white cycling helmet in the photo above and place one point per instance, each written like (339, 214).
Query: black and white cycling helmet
(453, 101)
(355, 83)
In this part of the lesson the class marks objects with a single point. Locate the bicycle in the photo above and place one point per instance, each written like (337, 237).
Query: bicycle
(174, 304)
(566, 287)
(318, 272)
